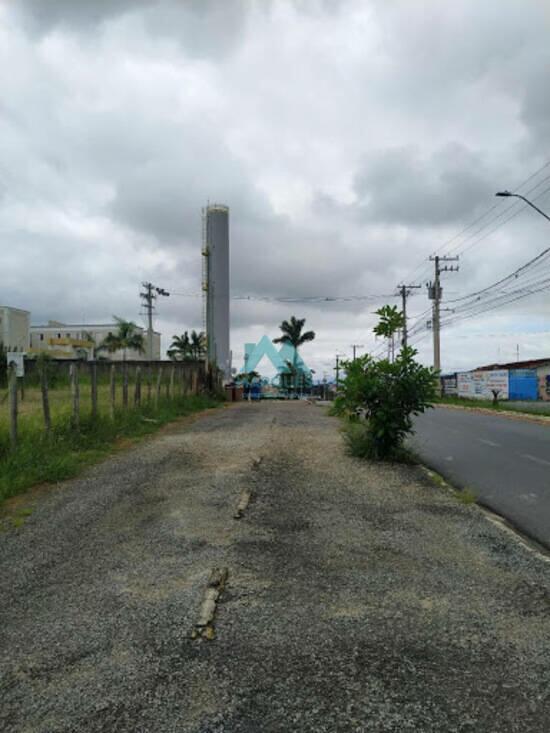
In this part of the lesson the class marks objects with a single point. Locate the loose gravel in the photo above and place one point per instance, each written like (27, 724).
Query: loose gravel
(360, 597)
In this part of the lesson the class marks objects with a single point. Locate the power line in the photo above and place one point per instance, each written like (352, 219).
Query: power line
(422, 266)
(303, 298)
(502, 223)
(512, 275)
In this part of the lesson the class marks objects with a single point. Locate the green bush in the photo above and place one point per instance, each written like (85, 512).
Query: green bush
(389, 394)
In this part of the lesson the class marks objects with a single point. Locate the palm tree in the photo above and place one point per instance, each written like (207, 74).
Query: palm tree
(198, 345)
(292, 335)
(126, 337)
(180, 347)
(188, 348)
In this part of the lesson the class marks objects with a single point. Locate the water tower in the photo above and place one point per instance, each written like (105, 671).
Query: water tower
(215, 285)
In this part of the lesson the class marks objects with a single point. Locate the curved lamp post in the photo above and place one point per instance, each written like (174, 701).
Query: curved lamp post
(519, 196)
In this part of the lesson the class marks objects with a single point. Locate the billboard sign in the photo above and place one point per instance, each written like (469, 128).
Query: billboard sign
(480, 385)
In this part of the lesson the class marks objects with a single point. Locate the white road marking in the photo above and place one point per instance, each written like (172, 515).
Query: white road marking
(489, 442)
(535, 459)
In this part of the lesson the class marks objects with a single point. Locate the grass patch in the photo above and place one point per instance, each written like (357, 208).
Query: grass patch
(360, 444)
(466, 496)
(40, 458)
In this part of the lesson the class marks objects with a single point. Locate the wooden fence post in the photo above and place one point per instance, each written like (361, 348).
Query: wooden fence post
(149, 382)
(12, 386)
(125, 385)
(45, 398)
(75, 394)
(159, 383)
(172, 378)
(183, 381)
(112, 390)
(137, 389)
(93, 381)
(194, 381)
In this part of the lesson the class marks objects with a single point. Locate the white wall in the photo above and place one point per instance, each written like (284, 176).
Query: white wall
(80, 332)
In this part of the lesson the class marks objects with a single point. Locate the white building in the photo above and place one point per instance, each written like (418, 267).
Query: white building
(67, 341)
(14, 328)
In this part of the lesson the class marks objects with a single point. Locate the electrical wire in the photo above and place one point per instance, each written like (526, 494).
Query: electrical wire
(516, 204)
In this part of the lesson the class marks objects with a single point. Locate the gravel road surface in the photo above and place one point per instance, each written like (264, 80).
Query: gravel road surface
(504, 460)
(359, 597)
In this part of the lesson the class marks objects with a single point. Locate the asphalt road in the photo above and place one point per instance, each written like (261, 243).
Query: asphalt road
(505, 461)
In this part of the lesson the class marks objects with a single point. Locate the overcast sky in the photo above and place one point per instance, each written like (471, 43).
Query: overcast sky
(350, 139)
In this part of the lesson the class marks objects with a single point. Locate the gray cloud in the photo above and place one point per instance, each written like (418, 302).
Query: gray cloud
(400, 186)
(202, 27)
(350, 140)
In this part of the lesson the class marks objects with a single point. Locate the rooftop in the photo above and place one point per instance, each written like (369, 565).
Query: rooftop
(526, 364)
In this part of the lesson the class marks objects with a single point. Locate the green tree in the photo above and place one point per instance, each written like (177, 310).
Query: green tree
(391, 321)
(180, 348)
(126, 337)
(390, 394)
(198, 345)
(294, 335)
(187, 348)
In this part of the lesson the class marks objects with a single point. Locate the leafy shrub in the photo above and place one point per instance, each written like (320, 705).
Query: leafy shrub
(390, 394)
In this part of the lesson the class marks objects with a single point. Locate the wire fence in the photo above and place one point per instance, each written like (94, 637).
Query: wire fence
(54, 390)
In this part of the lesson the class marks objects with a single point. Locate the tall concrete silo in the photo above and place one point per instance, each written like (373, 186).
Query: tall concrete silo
(215, 252)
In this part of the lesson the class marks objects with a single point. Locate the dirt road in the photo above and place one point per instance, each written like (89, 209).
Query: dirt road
(359, 597)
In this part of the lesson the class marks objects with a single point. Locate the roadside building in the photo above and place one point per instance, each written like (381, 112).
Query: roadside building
(67, 341)
(14, 328)
(527, 380)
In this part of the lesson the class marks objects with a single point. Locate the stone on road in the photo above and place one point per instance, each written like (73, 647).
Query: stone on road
(359, 597)
(504, 460)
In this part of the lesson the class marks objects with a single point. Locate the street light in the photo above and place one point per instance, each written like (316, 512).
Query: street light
(507, 194)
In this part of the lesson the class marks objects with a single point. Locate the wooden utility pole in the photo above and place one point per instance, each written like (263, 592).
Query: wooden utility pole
(434, 293)
(355, 347)
(337, 370)
(405, 292)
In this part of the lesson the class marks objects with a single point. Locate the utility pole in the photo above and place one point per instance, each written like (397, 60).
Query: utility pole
(434, 293)
(405, 292)
(149, 295)
(337, 369)
(355, 347)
